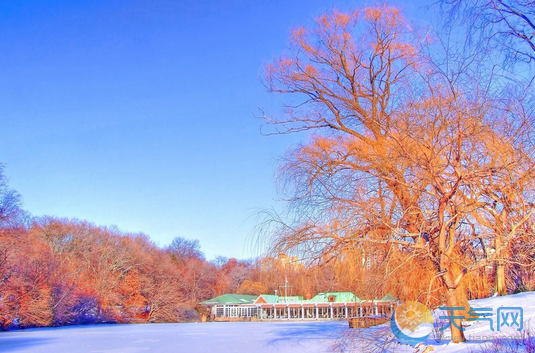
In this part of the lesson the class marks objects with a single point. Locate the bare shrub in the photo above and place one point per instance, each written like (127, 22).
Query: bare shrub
(524, 342)
(376, 339)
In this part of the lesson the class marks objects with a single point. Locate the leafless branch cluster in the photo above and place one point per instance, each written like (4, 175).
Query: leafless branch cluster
(501, 25)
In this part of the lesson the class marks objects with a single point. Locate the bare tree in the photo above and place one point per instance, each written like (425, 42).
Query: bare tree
(10, 203)
(399, 149)
(182, 249)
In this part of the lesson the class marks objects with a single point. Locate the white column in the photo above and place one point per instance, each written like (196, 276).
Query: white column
(287, 312)
(345, 305)
(274, 312)
(317, 312)
(302, 311)
(332, 314)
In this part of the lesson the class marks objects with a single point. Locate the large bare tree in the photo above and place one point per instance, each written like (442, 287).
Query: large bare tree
(403, 155)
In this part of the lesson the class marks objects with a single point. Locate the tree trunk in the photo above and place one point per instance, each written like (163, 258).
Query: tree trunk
(453, 300)
(500, 288)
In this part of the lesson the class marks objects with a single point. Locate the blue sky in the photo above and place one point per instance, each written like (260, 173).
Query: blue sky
(141, 113)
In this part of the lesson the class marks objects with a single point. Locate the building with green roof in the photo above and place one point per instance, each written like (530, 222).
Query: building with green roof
(323, 306)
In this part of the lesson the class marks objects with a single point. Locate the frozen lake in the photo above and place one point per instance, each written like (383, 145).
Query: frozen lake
(262, 337)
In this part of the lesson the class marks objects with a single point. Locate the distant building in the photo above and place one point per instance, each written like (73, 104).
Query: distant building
(324, 306)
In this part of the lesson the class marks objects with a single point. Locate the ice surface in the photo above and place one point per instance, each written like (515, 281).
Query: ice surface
(261, 337)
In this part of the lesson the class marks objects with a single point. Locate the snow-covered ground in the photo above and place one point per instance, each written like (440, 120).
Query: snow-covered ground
(479, 334)
(260, 337)
(478, 330)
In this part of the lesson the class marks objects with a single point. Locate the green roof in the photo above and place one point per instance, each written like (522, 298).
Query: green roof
(339, 297)
(290, 299)
(231, 299)
(270, 298)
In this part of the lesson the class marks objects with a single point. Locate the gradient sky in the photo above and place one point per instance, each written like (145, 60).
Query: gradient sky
(141, 113)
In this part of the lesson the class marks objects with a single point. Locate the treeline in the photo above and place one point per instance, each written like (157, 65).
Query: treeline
(65, 272)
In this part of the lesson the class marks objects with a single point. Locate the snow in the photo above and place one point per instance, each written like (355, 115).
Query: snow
(481, 329)
(420, 331)
(478, 333)
(261, 337)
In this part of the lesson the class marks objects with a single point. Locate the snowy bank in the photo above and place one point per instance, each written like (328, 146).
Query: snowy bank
(480, 337)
